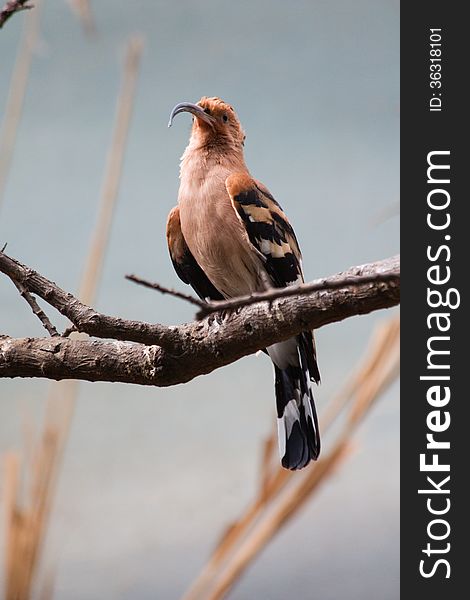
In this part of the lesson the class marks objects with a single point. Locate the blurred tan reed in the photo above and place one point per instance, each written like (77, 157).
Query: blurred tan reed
(27, 521)
(112, 177)
(282, 493)
(27, 510)
(83, 12)
(17, 91)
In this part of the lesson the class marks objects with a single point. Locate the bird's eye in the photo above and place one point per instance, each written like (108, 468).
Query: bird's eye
(207, 111)
(225, 118)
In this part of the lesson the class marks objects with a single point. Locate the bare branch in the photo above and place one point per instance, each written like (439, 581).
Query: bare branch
(11, 7)
(171, 355)
(37, 310)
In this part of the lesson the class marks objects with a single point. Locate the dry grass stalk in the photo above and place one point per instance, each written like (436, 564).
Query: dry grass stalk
(283, 493)
(16, 92)
(27, 526)
(82, 9)
(10, 500)
(267, 528)
(268, 463)
(63, 395)
(27, 511)
(113, 172)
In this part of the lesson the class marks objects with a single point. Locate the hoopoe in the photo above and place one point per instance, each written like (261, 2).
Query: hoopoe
(229, 237)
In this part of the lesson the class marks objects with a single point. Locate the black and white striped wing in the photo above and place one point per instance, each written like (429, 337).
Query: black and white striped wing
(268, 228)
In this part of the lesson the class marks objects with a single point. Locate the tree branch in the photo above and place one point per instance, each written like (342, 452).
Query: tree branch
(11, 7)
(86, 319)
(37, 310)
(170, 355)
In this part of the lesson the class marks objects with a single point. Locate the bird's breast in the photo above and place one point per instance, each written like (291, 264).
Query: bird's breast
(216, 237)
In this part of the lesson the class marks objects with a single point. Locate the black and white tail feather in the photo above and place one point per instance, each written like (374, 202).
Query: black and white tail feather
(295, 369)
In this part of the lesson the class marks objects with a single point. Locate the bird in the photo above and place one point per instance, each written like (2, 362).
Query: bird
(229, 237)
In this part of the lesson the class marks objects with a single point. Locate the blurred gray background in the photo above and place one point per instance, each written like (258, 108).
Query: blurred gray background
(152, 476)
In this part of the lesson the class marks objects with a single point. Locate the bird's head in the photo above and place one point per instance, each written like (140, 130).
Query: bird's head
(214, 122)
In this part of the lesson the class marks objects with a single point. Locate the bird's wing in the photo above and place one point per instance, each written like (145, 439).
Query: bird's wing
(267, 227)
(184, 262)
(272, 235)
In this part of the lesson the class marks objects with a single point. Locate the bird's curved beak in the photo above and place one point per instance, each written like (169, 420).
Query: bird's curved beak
(194, 109)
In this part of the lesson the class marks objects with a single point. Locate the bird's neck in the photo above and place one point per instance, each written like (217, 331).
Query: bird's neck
(203, 155)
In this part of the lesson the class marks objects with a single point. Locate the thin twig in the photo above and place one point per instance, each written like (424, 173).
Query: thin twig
(37, 310)
(12, 7)
(164, 290)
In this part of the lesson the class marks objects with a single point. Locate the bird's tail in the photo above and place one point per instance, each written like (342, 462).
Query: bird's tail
(295, 368)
